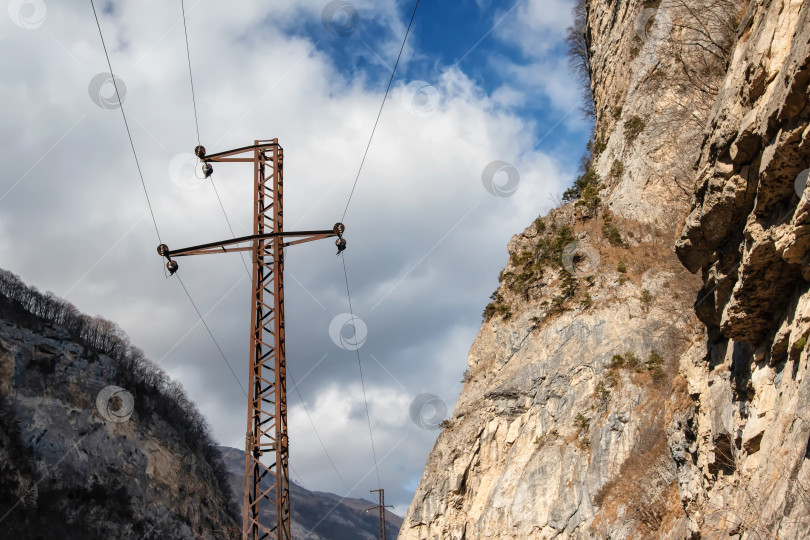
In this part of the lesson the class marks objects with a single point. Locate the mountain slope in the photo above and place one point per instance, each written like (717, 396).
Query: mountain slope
(96, 442)
(317, 515)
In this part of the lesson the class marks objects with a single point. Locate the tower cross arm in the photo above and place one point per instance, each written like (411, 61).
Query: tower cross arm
(245, 243)
(267, 430)
(229, 155)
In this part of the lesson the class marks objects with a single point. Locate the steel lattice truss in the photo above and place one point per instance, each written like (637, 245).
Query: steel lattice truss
(267, 483)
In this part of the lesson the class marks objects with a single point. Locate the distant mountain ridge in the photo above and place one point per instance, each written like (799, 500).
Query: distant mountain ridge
(319, 515)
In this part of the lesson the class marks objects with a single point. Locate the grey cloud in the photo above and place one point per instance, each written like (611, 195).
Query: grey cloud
(420, 272)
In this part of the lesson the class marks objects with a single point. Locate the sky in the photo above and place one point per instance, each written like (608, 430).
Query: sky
(480, 133)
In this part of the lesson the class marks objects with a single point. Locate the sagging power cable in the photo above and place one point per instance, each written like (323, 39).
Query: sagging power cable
(197, 126)
(194, 304)
(318, 435)
(379, 113)
(342, 219)
(126, 124)
(146, 192)
(362, 380)
(190, 76)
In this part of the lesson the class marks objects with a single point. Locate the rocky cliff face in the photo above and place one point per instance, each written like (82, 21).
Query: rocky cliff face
(743, 452)
(82, 458)
(611, 392)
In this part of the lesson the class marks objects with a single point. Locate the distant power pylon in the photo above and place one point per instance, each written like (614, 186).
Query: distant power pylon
(266, 485)
(382, 508)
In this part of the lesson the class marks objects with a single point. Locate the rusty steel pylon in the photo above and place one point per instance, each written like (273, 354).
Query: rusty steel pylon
(267, 484)
(382, 508)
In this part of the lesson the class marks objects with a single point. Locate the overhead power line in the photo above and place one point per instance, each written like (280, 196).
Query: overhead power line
(197, 125)
(191, 78)
(362, 381)
(345, 210)
(146, 192)
(379, 113)
(126, 125)
(227, 220)
(318, 435)
(345, 272)
(343, 217)
(194, 304)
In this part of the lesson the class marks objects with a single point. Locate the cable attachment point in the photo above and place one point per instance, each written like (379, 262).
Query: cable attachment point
(199, 151)
(339, 229)
(171, 266)
(207, 169)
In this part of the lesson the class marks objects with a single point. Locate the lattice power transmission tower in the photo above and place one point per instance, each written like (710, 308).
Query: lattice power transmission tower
(381, 507)
(267, 483)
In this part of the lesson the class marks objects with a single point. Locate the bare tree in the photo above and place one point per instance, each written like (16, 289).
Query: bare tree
(579, 55)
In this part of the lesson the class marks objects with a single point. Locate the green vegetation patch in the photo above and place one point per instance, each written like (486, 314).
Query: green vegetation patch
(497, 307)
(633, 127)
(588, 177)
(616, 170)
(612, 234)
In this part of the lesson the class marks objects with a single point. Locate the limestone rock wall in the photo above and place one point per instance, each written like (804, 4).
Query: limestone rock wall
(640, 372)
(560, 431)
(68, 471)
(743, 452)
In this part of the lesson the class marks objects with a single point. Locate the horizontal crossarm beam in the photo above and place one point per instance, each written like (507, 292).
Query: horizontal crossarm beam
(225, 156)
(233, 244)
